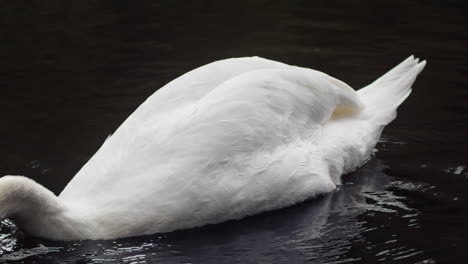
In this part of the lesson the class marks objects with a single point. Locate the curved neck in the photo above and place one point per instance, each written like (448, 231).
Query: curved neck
(36, 210)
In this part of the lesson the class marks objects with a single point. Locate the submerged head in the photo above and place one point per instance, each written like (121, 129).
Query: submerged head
(15, 192)
(21, 197)
(35, 209)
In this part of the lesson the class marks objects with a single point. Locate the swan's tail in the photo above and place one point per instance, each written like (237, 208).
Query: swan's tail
(384, 95)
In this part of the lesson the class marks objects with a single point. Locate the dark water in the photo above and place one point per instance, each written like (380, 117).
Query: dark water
(72, 71)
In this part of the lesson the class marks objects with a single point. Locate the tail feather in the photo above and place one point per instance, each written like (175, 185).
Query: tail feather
(384, 95)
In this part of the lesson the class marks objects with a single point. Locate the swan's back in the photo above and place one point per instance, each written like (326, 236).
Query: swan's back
(185, 106)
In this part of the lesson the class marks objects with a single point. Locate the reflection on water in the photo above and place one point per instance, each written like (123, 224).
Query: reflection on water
(458, 170)
(323, 230)
(72, 71)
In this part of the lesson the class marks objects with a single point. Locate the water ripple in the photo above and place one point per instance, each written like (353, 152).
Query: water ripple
(323, 230)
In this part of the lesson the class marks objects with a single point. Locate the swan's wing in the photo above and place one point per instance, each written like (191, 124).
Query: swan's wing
(184, 90)
(216, 144)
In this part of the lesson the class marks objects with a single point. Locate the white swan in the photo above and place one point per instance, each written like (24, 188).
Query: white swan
(230, 139)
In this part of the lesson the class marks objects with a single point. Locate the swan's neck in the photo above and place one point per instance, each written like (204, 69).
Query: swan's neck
(36, 210)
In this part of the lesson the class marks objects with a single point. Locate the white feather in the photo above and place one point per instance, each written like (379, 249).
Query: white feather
(230, 139)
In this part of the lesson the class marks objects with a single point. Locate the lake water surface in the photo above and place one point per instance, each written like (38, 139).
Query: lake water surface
(71, 72)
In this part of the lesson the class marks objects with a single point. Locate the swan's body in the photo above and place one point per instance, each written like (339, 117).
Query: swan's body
(229, 139)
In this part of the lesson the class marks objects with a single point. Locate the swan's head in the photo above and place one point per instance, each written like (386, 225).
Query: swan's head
(20, 196)
(13, 193)
(32, 207)
(35, 209)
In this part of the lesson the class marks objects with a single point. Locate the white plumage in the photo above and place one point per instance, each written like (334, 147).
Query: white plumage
(230, 139)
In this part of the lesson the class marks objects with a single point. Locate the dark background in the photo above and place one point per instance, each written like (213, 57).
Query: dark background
(72, 71)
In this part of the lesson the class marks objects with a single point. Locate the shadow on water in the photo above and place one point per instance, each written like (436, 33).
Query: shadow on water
(322, 230)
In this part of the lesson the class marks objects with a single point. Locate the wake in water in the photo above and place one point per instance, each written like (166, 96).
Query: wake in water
(323, 230)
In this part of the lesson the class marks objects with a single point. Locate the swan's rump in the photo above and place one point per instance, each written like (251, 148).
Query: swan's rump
(249, 144)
